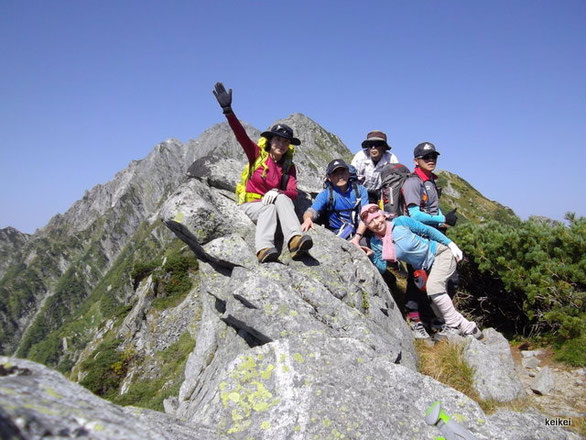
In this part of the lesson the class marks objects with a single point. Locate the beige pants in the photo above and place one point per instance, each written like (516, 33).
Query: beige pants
(443, 267)
(266, 218)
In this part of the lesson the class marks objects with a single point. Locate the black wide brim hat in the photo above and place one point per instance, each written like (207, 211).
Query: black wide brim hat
(283, 131)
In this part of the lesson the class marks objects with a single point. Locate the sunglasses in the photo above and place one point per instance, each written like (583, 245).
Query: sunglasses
(376, 145)
(371, 210)
(429, 157)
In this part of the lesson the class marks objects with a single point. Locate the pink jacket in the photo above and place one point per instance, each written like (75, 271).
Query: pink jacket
(257, 184)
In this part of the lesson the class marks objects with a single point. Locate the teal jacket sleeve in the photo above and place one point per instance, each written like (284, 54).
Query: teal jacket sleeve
(421, 229)
(423, 217)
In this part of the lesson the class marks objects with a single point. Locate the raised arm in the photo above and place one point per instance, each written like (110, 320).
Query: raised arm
(251, 149)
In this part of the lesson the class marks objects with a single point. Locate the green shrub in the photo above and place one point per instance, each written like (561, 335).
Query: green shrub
(150, 393)
(173, 281)
(572, 352)
(103, 368)
(529, 278)
(141, 270)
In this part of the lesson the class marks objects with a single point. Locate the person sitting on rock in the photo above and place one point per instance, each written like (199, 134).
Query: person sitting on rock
(424, 248)
(370, 161)
(271, 185)
(340, 202)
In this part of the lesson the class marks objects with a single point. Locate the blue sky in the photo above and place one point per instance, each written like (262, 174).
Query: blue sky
(499, 87)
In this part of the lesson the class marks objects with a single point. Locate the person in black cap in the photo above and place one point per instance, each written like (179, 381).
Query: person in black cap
(371, 160)
(420, 191)
(421, 197)
(266, 195)
(340, 202)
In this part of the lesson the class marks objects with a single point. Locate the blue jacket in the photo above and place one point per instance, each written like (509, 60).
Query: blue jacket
(415, 243)
(342, 201)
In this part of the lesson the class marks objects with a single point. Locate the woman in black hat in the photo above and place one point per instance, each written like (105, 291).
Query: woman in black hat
(266, 196)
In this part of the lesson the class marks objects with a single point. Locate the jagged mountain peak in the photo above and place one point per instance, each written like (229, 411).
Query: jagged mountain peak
(11, 243)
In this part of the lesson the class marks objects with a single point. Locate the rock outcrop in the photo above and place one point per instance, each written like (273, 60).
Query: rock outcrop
(495, 377)
(307, 349)
(39, 403)
(11, 243)
(310, 348)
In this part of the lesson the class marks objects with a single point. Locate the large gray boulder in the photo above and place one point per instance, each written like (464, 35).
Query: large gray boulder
(308, 386)
(495, 377)
(314, 348)
(39, 403)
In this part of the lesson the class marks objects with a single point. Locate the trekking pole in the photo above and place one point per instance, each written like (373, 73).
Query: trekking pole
(450, 429)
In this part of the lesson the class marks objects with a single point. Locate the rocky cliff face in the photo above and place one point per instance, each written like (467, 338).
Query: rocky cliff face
(11, 243)
(315, 348)
(65, 261)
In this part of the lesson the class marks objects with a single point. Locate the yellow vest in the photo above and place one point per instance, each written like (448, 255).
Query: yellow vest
(261, 160)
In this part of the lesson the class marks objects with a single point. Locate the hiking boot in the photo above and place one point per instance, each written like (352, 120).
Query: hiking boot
(299, 245)
(418, 330)
(267, 255)
(437, 324)
(477, 333)
(446, 333)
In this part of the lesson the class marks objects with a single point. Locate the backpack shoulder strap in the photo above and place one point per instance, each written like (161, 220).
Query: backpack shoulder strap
(356, 192)
(285, 177)
(330, 204)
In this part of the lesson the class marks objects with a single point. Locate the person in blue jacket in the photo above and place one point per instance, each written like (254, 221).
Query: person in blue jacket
(424, 248)
(341, 202)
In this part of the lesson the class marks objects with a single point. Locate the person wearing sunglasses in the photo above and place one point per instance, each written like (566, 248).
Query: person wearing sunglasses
(421, 196)
(271, 187)
(370, 161)
(424, 248)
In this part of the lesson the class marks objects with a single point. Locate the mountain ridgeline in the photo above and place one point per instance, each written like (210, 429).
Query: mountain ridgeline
(147, 292)
(78, 266)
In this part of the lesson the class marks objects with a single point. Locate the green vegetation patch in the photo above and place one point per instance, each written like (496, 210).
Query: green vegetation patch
(172, 281)
(572, 352)
(106, 367)
(150, 392)
(472, 205)
(55, 338)
(528, 279)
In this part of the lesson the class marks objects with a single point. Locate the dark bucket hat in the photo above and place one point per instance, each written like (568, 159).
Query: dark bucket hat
(376, 136)
(283, 131)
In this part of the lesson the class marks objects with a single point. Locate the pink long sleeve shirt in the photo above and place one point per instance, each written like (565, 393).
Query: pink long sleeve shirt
(257, 183)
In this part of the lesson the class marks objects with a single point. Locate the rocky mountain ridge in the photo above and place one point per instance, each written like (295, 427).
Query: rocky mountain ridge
(11, 243)
(299, 349)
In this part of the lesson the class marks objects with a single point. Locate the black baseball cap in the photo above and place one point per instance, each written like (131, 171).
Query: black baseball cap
(423, 149)
(334, 165)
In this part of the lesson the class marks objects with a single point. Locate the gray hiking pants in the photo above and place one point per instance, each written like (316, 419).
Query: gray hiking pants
(266, 217)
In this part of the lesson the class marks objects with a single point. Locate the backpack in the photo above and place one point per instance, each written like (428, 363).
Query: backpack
(347, 229)
(391, 200)
(261, 160)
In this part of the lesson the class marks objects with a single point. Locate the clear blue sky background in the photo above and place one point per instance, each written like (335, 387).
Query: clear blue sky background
(498, 86)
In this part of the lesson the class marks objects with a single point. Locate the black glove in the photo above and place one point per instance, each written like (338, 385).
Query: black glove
(451, 217)
(224, 98)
